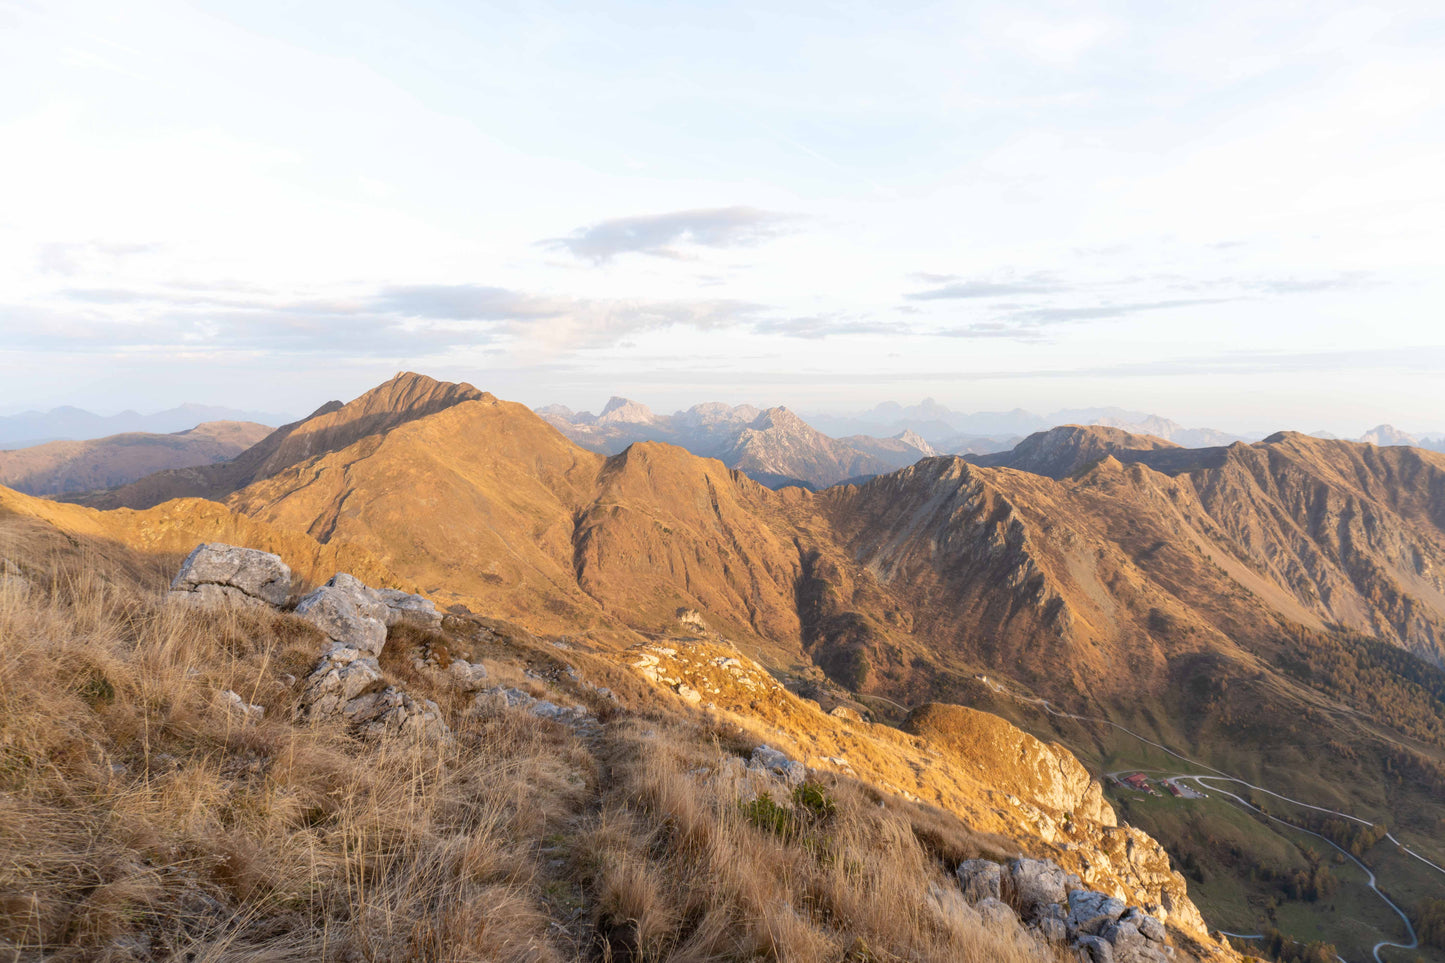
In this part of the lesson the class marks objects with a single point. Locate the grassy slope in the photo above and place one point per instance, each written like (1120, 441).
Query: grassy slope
(143, 819)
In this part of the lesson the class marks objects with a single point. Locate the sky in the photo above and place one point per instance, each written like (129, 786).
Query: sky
(1231, 214)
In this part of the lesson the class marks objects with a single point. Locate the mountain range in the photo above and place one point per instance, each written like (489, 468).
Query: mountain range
(773, 446)
(28, 428)
(1274, 610)
(58, 467)
(778, 447)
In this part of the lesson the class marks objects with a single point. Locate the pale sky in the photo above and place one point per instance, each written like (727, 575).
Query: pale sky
(1231, 213)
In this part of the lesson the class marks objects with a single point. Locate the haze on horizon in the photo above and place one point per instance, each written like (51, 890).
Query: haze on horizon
(1230, 215)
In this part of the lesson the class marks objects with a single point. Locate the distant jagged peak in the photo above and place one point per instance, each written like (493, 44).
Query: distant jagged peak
(714, 413)
(1388, 435)
(621, 410)
(912, 439)
(783, 419)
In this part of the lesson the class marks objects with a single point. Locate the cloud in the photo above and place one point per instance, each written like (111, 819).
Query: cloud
(661, 234)
(992, 329)
(395, 319)
(818, 327)
(466, 302)
(1058, 315)
(988, 289)
(1337, 282)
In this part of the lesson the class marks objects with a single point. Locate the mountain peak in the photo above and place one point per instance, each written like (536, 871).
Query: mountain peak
(912, 439)
(621, 410)
(1387, 435)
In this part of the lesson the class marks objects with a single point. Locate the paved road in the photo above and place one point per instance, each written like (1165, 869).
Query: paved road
(1217, 775)
(1204, 782)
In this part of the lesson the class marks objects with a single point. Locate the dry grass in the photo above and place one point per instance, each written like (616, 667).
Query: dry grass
(682, 872)
(143, 819)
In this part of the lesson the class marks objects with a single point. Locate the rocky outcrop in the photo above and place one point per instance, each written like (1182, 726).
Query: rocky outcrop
(980, 879)
(340, 677)
(349, 613)
(405, 607)
(217, 574)
(393, 712)
(1057, 909)
(348, 680)
(1047, 775)
(768, 759)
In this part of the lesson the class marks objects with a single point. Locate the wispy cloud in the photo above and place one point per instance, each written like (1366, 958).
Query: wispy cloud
(961, 290)
(398, 318)
(667, 235)
(1058, 315)
(823, 326)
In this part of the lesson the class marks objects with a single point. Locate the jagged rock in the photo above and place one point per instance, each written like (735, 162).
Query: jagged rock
(1051, 930)
(980, 879)
(1130, 945)
(404, 607)
(469, 677)
(845, 713)
(777, 763)
(509, 697)
(334, 683)
(215, 573)
(348, 612)
(1037, 883)
(392, 712)
(1094, 949)
(996, 912)
(541, 708)
(1090, 912)
(688, 693)
(1149, 927)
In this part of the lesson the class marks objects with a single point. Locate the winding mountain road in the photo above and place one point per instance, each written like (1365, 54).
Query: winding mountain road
(1204, 783)
(1215, 775)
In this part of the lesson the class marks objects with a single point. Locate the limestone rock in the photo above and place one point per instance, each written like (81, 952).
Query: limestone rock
(235, 704)
(980, 879)
(392, 712)
(1095, 950)
(348, 613)
(1149, 927)
(771, 760)
(334, 683)
(1051, 930)
(845, 713)
(1090, 912)
(1037, 883)
(404, 607)
(469, 677)
(215, 573)
(996, 913)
